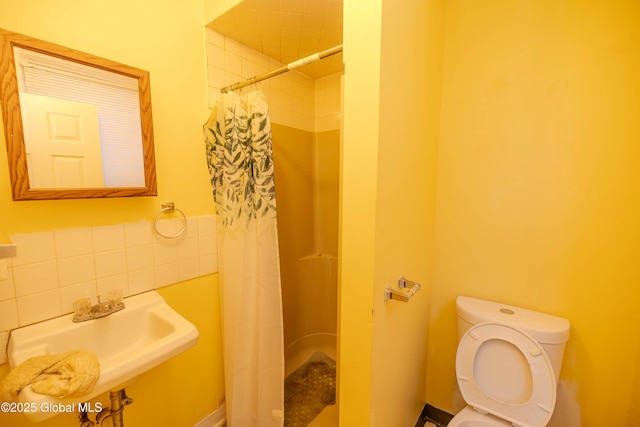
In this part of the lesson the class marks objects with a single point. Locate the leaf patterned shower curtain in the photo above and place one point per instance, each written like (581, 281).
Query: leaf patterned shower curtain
(239, 156)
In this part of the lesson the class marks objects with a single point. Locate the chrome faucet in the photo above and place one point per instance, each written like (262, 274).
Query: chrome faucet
(85, 311)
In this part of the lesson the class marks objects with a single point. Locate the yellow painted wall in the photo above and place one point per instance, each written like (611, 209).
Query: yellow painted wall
(409, 122)
(167, 39)
(537, 189)
(359, 162)
(405, 206)
(391, 110)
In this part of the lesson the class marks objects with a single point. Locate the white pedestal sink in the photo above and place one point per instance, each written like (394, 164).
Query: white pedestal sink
(127, 343)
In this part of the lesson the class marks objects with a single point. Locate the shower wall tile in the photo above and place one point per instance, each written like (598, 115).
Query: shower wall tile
(328, 103)
(291, 96)
(57, 267)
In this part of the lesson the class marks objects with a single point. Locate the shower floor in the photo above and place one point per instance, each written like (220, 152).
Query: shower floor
(309, 389)
(312, 348)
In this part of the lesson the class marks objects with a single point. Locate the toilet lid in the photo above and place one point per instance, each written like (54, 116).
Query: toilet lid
(503, 371)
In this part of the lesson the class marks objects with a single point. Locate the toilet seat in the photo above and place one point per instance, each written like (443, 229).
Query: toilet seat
(540, 403)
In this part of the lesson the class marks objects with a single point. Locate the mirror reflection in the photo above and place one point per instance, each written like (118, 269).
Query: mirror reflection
(81, 124)
(76, 125)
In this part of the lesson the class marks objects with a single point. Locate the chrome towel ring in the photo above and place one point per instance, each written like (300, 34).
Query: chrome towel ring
(168, 208)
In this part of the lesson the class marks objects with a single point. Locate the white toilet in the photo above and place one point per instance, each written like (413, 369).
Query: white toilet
(507, 365)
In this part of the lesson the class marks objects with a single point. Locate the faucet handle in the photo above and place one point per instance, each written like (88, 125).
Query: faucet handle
(103, 307)
(81, 309)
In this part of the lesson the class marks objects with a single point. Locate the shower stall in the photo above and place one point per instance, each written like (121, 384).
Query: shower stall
(306, 175)
(305, 111)
(306, 178)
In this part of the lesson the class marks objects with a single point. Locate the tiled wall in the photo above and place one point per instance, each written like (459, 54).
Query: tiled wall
(328, 105)
(295, 99)
(54, 268)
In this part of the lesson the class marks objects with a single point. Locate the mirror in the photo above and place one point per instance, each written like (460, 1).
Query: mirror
(76, 125)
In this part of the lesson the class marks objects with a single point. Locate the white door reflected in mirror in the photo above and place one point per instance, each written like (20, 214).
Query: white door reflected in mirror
(68, 97)
(62, 140)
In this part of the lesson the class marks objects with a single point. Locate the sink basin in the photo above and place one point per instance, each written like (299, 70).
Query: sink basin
(127, 343)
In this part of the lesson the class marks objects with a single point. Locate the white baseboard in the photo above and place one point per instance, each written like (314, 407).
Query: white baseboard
(215, 419)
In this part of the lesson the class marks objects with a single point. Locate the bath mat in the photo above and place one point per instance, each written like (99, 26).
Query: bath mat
(308, 389)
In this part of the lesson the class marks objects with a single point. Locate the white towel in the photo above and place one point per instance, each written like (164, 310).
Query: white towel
(74, 373)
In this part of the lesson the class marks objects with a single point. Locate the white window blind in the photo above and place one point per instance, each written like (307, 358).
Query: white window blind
(115, 96)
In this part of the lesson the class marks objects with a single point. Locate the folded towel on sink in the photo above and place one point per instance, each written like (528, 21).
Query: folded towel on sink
(70, 374)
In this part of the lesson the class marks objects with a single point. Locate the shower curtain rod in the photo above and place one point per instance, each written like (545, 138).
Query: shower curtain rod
(295, 64)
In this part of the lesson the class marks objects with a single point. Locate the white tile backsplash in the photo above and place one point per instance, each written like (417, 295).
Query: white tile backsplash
(165, 253)
(206, 225)
(7, 290)
(55, 268)
(167, 274)
(108, 238)
(139, 257)
(8, 315)
(208, 264)
(111, 263)
(34, 278)
(142, 280)
(38, 307)
(76, 269)
(109, 283)
(188, 249)
(69, 294)
(33, 248)
(73, 242)
(188, 269)
(138, 234)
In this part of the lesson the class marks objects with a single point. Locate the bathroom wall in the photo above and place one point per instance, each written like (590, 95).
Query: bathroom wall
(391, 109)
(537, 189)
(168, 40)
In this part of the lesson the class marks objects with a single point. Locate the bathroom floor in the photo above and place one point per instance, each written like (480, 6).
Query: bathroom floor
(433, 417)
(309, 391)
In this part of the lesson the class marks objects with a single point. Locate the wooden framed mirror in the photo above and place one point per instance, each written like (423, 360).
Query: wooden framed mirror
(76, 125)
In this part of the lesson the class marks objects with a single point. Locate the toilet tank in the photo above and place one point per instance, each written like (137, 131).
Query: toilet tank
(551, 332)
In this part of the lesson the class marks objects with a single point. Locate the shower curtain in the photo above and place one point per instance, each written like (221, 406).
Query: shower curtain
(239, 156)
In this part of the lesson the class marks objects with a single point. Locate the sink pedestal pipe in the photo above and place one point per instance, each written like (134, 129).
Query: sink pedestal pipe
(119, 400)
